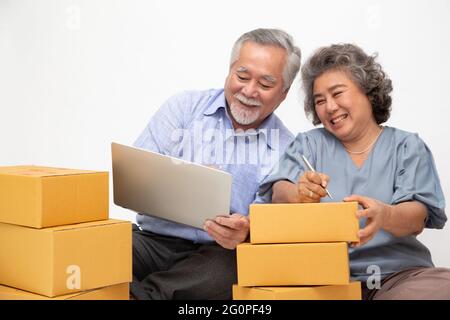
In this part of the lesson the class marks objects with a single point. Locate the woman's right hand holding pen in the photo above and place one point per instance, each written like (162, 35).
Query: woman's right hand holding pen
(311, 187)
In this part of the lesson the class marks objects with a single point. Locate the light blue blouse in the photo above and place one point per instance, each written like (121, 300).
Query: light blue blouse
(399, 168)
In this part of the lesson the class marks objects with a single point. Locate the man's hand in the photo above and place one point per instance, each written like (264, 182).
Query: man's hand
(377, 214)
(228, 231)
(311, 187)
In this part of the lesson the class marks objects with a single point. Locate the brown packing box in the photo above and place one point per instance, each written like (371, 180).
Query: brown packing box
(315, 222)
(297, 264)
(115, 292)
(67, 259)
(351, 291)
(43, 197)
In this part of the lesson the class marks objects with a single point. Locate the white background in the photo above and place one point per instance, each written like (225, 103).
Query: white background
(76, 75)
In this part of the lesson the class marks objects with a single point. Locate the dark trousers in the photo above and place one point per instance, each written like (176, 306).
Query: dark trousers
(413, 284)
(172, 268)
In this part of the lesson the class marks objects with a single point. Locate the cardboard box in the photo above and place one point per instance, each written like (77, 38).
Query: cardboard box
(312, 222)
(43, 197)
(67, 259)
(116, 292)
(298, 264)
(351, 291)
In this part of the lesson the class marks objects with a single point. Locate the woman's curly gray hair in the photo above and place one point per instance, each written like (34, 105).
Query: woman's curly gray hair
(362, 68)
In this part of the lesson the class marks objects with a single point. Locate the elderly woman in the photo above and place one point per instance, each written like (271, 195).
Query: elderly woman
(389, 172)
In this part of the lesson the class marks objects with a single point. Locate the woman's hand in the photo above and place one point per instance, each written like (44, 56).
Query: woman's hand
(311, 187)
(377, 214)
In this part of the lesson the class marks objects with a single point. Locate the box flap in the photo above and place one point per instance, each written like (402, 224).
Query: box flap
(39, 172)
(114, 292)
(85, 225)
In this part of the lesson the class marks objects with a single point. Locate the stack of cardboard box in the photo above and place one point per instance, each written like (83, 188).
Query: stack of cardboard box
(298, 251)
(56, 241)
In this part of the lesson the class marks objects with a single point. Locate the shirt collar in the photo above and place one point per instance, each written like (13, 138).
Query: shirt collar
(264, 131)
(217, 103)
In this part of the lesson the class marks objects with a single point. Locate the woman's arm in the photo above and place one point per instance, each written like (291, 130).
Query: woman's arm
(406, 218)
(400, 220)
(284, 192)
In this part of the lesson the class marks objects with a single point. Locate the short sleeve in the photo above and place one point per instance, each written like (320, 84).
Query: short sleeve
(417, 179)
(289, 168)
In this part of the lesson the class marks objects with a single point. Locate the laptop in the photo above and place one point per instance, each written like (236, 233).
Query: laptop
(169, 188)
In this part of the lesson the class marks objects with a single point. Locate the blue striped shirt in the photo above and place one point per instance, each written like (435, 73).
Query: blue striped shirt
(196, 127)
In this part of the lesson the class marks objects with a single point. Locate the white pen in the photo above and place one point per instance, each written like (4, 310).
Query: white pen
(312, 169)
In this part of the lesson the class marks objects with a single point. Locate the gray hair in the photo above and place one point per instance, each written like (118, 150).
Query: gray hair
(273, 37)
(362, 69)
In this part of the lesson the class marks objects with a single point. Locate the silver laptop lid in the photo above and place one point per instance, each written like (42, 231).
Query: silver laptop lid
(169, 188)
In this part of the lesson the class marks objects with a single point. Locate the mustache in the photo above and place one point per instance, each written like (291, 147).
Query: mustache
(247, 101)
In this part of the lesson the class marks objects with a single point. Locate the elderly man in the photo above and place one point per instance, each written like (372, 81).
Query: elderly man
(235, 130)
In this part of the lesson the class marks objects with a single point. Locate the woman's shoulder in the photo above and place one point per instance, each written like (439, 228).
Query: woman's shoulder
(406, 144)
(309, 141)
(402, 137)
(393, 137)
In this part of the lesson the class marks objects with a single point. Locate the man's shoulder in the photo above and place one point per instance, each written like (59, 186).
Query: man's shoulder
(197, 97)
(191, 104)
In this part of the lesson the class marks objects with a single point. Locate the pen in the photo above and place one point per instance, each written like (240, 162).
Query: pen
(312, 169)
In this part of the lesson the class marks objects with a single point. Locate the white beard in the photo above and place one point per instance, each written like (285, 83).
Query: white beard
(244, 116)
